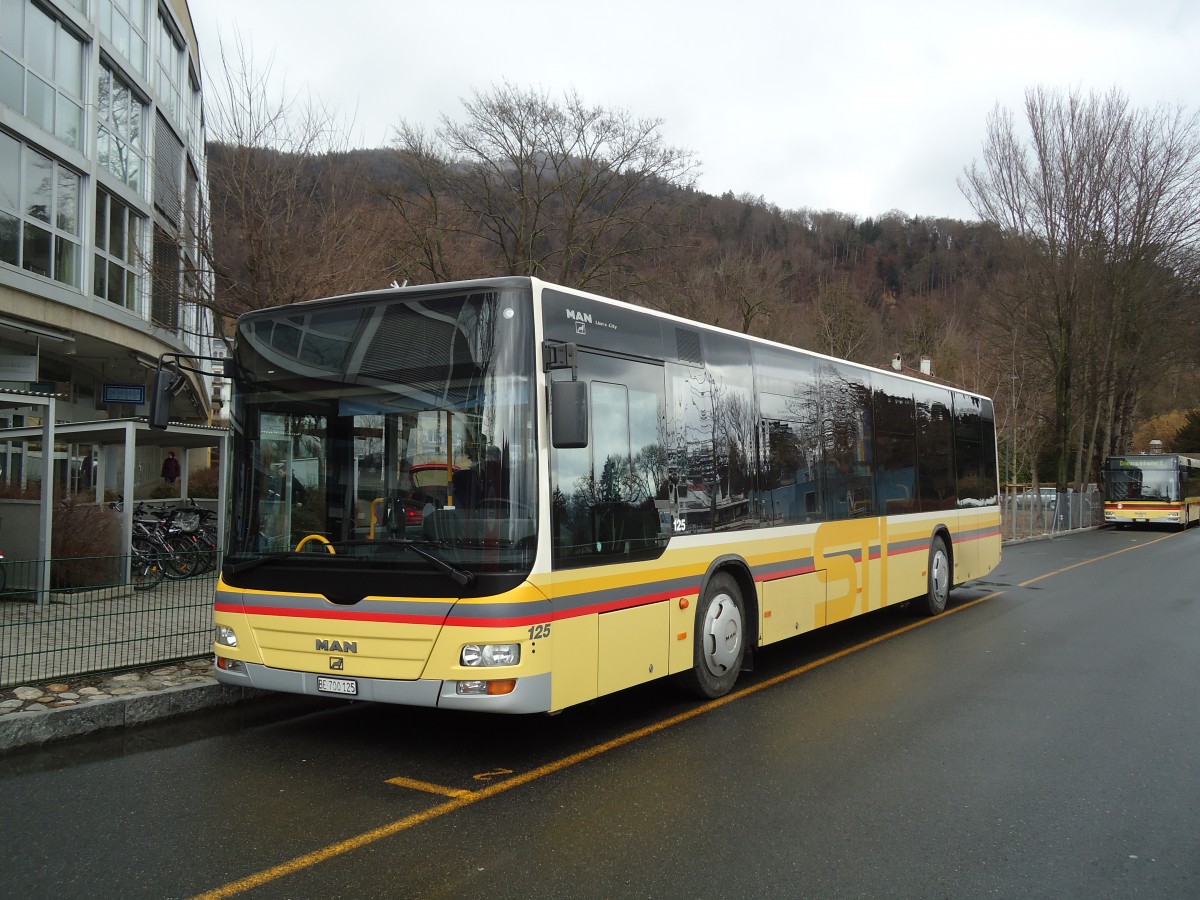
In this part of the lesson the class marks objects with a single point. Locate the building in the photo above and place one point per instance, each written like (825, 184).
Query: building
(102, 188)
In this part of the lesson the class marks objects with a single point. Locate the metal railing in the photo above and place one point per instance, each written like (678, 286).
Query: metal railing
(109, 625)
(104, 626)
(1029, 514)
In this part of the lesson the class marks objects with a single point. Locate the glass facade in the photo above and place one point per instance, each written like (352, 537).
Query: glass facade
(42, 70)
(123, 22)
(46, 203)
(102, 165)
(121, 117)
(117, 270)
(40, 206)
(170, 70)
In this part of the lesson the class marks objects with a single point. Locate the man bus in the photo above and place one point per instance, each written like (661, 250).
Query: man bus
(1152, 489)
(522, 497)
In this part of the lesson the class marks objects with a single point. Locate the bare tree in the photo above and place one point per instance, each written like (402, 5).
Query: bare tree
(565, 191)
(1100, 203)
(291, 217)
(841, 324)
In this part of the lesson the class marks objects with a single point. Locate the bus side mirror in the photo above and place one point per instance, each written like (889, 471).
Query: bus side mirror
(568, 414)
(166, 385)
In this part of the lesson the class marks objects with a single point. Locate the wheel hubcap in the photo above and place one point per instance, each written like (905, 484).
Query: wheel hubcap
(940, 576)
(722, 635)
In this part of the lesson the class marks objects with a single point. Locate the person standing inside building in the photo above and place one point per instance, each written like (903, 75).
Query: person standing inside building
(170, 468)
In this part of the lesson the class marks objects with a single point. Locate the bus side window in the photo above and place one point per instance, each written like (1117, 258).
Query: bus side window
(603, 495)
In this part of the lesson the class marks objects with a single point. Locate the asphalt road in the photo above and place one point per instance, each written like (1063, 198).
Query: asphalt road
(1038, 740)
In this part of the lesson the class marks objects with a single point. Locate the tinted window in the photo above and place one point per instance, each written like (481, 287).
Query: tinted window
(731, 404)
(789, 437)
(937, 483)
(895, 448)
(604, 496)
(974, 451)
(846, 441)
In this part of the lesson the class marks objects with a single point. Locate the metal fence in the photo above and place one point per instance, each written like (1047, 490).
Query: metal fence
(1036, 514)
(109, 625)
(104, 626)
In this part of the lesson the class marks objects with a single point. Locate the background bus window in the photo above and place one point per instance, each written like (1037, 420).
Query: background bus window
(936, 480)
(895, 449)
(846, 442)
(974, 458)
(789, 437)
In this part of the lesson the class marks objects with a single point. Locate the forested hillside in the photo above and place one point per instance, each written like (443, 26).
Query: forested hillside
(596, 199)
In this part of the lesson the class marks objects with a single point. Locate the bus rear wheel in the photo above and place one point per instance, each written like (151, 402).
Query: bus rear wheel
(720, 640)
(937, 590)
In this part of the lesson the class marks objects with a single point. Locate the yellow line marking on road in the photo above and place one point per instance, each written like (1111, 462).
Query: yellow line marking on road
(492, 775)
(464, 799)
(401, 781)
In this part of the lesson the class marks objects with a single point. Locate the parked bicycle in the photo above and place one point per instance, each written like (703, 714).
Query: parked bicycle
(171, 542)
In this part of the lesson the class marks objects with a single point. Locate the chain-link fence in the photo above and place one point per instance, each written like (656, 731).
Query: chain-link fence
(1031, 513)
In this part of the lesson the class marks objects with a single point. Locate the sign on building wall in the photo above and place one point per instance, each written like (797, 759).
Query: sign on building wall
(125, 393)
(18, 368)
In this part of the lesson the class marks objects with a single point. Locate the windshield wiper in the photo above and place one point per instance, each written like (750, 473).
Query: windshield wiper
(459, 576)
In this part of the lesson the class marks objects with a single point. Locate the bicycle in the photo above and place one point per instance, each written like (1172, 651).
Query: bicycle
(175, 552)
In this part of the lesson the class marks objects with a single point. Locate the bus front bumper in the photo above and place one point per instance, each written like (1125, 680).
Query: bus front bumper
(530, 694)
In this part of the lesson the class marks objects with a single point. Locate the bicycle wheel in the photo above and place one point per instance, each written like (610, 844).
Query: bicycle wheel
(206, 545)
(181, 559)
(145, 565)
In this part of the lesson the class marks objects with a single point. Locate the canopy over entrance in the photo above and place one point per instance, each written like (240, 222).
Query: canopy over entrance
(128, 434)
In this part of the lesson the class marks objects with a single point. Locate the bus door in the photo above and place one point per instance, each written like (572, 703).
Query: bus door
(606, 510)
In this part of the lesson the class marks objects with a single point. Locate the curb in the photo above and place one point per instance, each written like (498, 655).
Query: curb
(26, 729)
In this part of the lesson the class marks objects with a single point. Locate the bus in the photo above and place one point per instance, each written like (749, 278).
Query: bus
(1152, 489)
(518, 497)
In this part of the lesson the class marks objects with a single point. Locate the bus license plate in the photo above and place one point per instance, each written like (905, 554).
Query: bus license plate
(337, 685)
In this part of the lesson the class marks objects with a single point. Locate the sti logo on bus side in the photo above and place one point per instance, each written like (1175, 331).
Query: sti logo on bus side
(337, 646)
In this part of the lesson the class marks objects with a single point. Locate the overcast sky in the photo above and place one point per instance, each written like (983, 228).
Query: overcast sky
(860, 107)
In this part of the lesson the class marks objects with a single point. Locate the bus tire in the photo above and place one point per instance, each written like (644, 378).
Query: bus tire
(720, 639)
(938, 580)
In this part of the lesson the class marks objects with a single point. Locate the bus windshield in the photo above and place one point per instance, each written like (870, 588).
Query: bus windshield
(388, 436)
(1137, 483)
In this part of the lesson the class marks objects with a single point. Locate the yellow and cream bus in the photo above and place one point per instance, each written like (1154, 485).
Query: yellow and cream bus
(1152, 489)
(508, 496)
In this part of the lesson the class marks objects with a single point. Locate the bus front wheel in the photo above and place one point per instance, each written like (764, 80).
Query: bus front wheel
(720, 640)
(937, 591)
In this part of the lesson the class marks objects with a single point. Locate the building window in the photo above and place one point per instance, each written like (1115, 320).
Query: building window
(117, 276)
(171, 67)
(41, 70)
(195, 113)
(123, 22)
(120, 147)
(39, 213)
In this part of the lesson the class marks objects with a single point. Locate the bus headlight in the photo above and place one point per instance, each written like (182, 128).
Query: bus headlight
(490, 655)
(226, 636)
